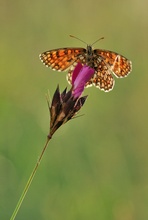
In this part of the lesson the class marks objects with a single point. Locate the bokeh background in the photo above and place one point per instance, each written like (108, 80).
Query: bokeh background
(96, 166)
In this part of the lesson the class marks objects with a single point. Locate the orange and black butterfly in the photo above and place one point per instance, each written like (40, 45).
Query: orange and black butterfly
(104, 62)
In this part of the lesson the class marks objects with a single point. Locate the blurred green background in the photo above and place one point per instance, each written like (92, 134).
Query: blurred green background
(96, 166)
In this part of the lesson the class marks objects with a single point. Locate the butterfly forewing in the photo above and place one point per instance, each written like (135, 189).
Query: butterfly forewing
(119, 64)
(62, 59)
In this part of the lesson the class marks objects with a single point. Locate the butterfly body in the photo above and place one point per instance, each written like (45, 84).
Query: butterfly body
(104, 62)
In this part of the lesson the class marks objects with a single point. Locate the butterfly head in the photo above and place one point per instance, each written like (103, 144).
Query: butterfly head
(89, 47)
(89, 50)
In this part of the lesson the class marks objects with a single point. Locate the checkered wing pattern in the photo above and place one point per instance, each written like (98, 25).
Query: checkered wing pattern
(104, 62)
(119, 65)
(62, 59)
(102, 77)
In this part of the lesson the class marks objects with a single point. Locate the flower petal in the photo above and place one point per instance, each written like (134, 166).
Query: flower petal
(80, 77)
(76, 72)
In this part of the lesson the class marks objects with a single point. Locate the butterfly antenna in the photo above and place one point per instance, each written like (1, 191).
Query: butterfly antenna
(78, 39)
(98, 40)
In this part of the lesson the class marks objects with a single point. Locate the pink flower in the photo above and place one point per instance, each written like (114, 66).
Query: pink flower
(81, 75)
(65, 105)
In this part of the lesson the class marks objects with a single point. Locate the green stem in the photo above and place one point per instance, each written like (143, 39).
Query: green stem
(29, 180)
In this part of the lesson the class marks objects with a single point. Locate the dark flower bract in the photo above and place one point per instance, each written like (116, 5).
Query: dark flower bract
(65, 105)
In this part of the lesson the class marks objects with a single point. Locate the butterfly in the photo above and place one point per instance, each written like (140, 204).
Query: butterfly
(104, 62)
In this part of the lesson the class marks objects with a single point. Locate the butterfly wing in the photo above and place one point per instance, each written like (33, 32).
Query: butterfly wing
(119, 65)
(62, 59)
(103, 61)
(102, 78)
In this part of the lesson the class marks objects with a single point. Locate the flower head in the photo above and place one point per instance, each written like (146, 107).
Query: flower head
(65, 105)
(81, 75)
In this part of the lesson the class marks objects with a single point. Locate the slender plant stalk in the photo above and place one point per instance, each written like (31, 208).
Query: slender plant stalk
(30, 180)
(63, 107)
